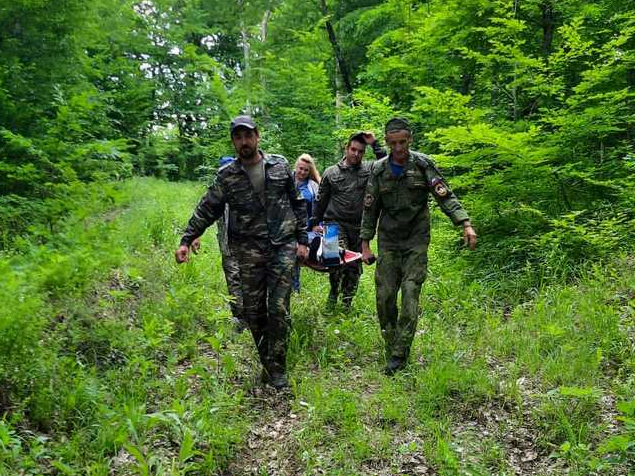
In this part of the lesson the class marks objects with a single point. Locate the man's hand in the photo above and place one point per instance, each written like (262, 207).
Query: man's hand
(196, 245)
(367, 255)
(317, 229)
(302, 252)
(469, 236)
(182, 254)
(369, 137)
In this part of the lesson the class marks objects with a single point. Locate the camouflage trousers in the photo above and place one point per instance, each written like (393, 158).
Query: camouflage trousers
(345, 279)
(234, 286)
(405, 270)
(230, 268)
(265, 275)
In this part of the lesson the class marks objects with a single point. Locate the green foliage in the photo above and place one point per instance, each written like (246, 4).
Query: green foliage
(621, 447)
(532, 125)
(88, 335)
(368, 111)
(113, 360)
(296, 100)
(85, 90)
(127, 363)
(527, 105)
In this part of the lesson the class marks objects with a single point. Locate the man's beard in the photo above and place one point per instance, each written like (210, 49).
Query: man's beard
(247, 152)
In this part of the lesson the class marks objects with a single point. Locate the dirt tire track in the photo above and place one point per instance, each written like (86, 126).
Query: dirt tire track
(270, 446)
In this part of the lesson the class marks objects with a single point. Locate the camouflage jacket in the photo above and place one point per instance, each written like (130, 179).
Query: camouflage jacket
(280, 220)
(400, 204)
(341, 193)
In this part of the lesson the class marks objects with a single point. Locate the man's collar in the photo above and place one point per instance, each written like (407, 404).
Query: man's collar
(406, 162)
(238, 165)
(344, 165)
(407, 165)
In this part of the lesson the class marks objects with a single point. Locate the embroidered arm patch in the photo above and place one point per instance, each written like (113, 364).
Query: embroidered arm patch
(439, 188)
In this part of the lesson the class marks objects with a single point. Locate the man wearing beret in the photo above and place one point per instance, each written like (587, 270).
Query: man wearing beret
(266, 231)
(339, 200)
(396, 205)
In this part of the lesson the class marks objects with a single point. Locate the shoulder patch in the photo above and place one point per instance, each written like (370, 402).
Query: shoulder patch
(368, 200)
(439, 188)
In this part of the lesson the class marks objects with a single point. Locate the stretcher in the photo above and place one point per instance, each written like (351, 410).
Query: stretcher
(325, 254)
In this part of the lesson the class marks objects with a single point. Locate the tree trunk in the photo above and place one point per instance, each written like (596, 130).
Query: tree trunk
(630, 82)
(467, 79)
(548, 26)
(264, 24)
(630, 79)
(245, 44)
(339, 102)
(563, 191)
(342, 66)
(515, 95)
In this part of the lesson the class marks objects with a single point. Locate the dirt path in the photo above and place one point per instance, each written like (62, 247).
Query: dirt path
(270, 446)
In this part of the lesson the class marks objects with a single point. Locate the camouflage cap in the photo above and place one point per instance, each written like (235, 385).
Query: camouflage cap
(242, 121)
(398, 124)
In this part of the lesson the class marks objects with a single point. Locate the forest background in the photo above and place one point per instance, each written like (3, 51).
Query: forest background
(526, 105)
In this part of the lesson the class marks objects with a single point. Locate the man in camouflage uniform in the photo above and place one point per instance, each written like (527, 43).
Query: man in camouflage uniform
(339, 200)
(396, 202)
(266, 231)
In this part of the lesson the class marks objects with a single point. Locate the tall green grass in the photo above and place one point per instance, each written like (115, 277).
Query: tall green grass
(114, 360)
(104, 358)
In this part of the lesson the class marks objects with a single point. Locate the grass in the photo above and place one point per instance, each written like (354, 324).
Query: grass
(116, 361)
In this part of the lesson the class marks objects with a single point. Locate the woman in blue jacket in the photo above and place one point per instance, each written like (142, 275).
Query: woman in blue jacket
(307, 181)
